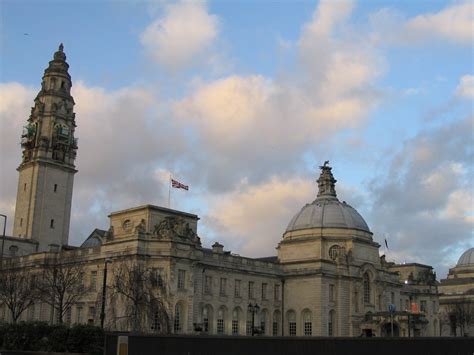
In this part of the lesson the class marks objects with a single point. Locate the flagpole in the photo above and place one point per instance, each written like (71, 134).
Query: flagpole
(169, 191)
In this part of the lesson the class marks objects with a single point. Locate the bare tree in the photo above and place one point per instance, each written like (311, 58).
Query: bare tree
(460, 314)
(61, 286)
(142, 294)
(17, 291)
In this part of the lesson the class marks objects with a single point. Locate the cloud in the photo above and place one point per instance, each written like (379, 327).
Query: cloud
(454, 23)
(466, 87)
(424, 202)
(182, 35)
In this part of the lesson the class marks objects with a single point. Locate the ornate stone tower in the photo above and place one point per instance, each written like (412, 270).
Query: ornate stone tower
(43, 202)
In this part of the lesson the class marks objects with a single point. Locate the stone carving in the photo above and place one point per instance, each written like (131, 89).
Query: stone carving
(141, 227)
(175, 228)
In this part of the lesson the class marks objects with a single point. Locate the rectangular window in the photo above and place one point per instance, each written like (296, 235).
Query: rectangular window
(237, 288)
(330, 330)
(51, 224)
(21, 222)
(208, 285)
(220, 326)
(308, 328)
(251, 289)
(93, 285)
(356, 301)
(157, 277)
(235, 327)
(181, 279)
(264, 291)
(55, 187)
(423, 306)
(331, 293)
(69, 315)
(434, 307)
(292, 326)
(248, 329)
(407, 305)
(24, 187)
(392, 298)
(275, 329)
(276, 292)
(223, 286)
(79, 314)
(31, 312)
(262, 326)
(92, 313)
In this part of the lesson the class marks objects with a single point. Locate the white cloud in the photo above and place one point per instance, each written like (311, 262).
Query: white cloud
(182, 35)
(466, 87)
(455, 23)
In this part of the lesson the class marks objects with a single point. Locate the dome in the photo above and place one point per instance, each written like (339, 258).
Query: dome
(327, 211)
(467, 258)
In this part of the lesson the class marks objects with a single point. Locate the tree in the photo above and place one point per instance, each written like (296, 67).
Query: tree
(61, 286)
(460, 315)
(17, 290)
(142, 295)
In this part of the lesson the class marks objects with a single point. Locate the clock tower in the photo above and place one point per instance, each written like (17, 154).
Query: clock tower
(44, 195)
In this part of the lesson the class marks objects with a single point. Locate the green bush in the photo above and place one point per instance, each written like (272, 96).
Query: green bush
(39, 336)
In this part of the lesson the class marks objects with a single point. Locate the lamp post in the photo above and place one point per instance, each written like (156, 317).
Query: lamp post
(104, 290)
(3, 239)
(253, 308)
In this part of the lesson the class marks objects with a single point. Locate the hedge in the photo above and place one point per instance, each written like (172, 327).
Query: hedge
(40, 336)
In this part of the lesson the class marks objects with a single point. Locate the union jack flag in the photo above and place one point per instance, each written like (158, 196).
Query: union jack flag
(176, 184)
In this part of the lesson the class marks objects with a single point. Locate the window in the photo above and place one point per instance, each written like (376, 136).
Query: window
(223, 285)
(177, 318)
(392, 298)
(276, 322)
(21, 222)
(220, 321)
(157, 278)
(292, 328)
(237, 288)
(307, 324)
(51, 224)
(24, 187)
(208, 285)
(276, 292)
(366, 288)
(69, 315)
(31, 312)
(205, 319)
(263, 321)
(248, 329)
(291, 316)
(264, 291)
(156, 325)
(423, 306)
(235, 321)
(331, 320)
(251, 290)
(55, 187)
(379, 301)
(336, 251)
(331, 293)
(434, 307)
(79, 314)
(181, 279)
(91, 314)
(407, 305)
(356, 301)
(93, 285)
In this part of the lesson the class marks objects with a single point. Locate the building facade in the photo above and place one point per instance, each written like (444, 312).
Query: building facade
(327, 278)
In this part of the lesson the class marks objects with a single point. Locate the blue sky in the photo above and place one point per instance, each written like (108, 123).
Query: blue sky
(242, 100)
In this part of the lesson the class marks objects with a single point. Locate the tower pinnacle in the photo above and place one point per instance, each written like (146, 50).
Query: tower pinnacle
(326, 182)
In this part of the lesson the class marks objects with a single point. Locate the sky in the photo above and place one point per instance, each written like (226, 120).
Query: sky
(243, 100)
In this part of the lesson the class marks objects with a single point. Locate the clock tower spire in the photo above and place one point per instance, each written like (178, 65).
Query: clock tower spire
(46, 171)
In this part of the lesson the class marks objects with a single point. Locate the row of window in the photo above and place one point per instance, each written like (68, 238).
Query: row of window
(223, 289)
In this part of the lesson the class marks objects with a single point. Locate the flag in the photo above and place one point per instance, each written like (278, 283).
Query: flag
(176, 184)
(386, 244)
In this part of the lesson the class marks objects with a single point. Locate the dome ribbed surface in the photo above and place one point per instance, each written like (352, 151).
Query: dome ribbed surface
(327, 213)
(467, 258)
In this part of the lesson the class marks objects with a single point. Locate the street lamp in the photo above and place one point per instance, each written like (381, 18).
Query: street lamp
(253, 308)
(3, 239)
(104, 290)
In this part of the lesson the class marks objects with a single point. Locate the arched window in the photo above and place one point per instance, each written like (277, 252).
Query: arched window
(307, 322)
(263, 321)
(220, 320)
(235, 321)
(366, 288)
(178, 313)
(207, 319)
(276, 323)
(331, 322)
(291, 317)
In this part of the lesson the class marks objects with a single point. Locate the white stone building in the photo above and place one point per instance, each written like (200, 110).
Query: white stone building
(327, 278)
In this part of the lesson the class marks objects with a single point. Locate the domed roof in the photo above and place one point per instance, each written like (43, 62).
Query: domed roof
(467, 258)
(327, 211)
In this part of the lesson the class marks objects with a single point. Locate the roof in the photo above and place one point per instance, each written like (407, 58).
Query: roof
(467, 258)
(156, 208)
